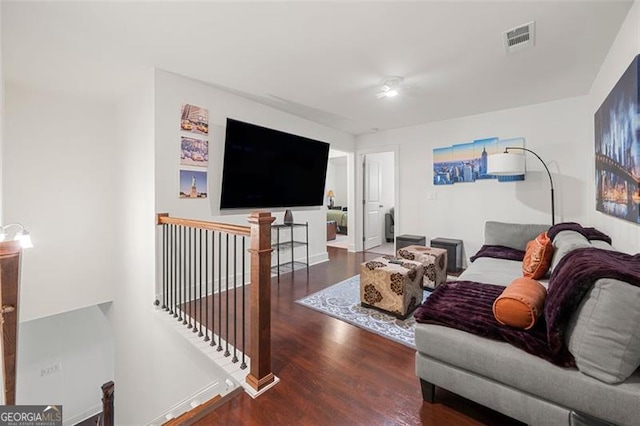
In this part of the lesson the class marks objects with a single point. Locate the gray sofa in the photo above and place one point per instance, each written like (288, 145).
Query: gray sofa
(603, 336)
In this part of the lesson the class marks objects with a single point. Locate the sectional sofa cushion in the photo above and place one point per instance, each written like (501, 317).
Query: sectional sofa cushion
(563, 243)
(601, 245)
(514, 235)
(493, 271)
(520, 303)
(537, 258)
(503, 363)
(603, 335)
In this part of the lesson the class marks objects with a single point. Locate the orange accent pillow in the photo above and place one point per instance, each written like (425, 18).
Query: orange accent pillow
(537, 258)
(520, 304)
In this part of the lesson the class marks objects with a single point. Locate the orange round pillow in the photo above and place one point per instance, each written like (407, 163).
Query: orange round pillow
(520, 303)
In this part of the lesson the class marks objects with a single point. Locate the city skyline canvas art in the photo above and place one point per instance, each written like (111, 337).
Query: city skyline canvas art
(617, 148)
(467, 162)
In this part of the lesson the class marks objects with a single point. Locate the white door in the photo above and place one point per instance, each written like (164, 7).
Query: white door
(372, 204)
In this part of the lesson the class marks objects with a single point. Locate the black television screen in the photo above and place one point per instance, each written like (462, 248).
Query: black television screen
(268, 168)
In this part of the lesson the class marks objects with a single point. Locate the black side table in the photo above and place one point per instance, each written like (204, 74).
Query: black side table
(409, 240)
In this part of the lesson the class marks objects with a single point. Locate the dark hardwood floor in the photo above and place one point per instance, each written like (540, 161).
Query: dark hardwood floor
(333, 373)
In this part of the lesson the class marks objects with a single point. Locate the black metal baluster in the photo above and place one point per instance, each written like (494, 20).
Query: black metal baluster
(219, 348)
(206, 285)
(243, 364)
(167, 297)
(173, 284)
(187, 302)
(226, 335)
(187, 278)
(192, 287)
(173, 270)
(213, 288)
(182, 237)
(165, 249)
(235, 299)
(200, 282)
(194, 281)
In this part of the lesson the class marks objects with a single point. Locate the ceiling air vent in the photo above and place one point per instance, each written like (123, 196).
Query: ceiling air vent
(519, 38)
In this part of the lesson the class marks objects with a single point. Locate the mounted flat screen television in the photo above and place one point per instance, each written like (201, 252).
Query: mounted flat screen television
(265, 168)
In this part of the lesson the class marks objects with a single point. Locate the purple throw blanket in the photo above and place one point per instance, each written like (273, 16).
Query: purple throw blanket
(588, 233)
(573, 278)
(467, 306)
(499, 252)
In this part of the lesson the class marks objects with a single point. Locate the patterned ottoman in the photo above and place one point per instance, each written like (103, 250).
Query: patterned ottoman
(434, 261)
(391, 284)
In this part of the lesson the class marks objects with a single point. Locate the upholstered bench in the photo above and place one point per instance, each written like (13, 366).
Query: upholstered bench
(434, 261)
(391, 284)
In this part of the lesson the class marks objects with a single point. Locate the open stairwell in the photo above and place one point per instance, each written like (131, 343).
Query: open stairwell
(215, 292)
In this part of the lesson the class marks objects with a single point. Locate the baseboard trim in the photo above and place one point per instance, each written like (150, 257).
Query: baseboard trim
(74, 420)
(198, 399)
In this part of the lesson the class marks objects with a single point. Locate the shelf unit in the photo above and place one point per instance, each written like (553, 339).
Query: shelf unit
(287, 242)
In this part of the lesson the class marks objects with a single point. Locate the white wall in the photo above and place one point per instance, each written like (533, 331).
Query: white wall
(172, 91)
(330, 181)
(337, 180)
(625, 235)
(81, 343)
(155, 367)
(1, 165)
(1, 142)
(58, 166)
(557, 131)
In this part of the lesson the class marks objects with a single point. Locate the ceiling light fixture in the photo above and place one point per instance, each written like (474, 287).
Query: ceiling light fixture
(389, 87)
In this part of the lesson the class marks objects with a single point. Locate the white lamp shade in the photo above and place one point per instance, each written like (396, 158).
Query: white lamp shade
(505, 164)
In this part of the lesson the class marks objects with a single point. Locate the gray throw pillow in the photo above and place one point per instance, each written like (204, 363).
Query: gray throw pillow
(603, 334)
(514, 235)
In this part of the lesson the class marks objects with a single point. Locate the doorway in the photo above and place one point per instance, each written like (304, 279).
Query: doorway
(339, 199)
(379, 201)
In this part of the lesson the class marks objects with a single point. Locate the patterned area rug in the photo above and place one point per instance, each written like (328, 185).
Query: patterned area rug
(342, 301)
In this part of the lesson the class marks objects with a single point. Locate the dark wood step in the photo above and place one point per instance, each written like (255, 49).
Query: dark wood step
(203, 410)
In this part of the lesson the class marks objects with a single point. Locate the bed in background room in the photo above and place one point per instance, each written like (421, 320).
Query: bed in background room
(340, 217)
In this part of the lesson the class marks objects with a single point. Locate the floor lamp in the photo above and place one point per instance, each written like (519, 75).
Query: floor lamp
(507, 164)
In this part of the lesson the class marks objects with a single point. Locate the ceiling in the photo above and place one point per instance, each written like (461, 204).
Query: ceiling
(320, 60)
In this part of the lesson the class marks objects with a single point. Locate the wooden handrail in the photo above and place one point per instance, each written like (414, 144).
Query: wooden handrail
(10, 252)
(164, 218)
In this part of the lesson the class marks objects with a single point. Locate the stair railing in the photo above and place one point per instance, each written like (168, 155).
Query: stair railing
(204, 286)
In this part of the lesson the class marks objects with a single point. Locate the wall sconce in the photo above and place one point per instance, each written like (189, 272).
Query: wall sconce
(21, 234)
